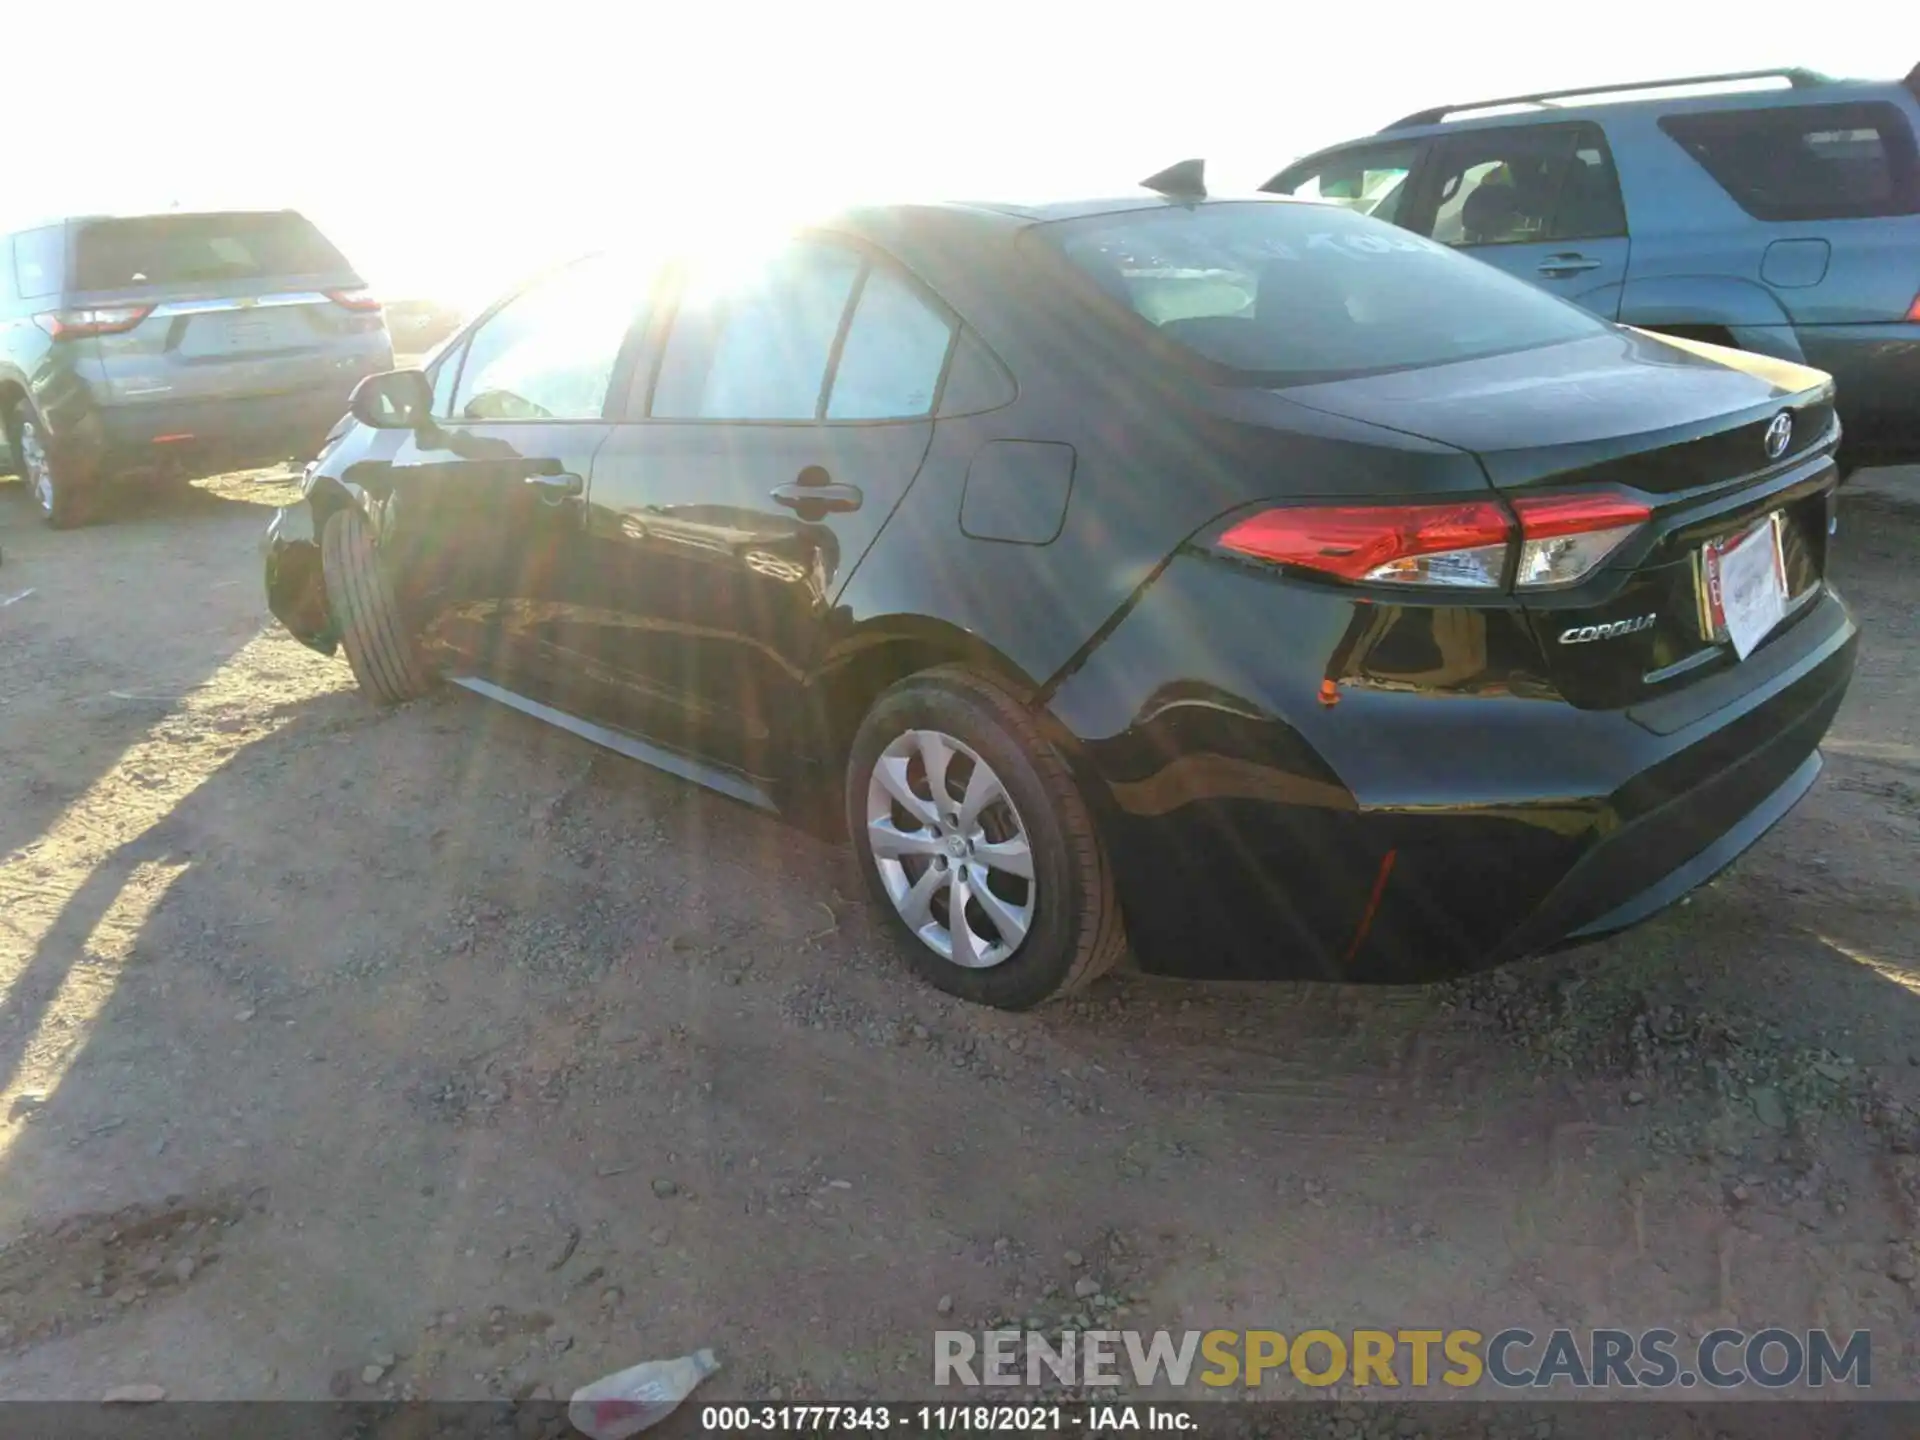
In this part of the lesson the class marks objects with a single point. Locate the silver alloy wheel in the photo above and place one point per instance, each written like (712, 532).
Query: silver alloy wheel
(33, 460)
(951, 849)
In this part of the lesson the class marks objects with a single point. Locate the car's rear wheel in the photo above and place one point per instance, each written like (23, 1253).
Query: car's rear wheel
(60, 496)
(385, 661)
(971, 830)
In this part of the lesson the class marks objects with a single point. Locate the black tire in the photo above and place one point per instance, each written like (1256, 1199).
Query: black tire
(385, 661)
(62, 498)
(1076, 933)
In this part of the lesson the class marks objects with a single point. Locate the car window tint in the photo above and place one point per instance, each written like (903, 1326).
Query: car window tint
(891, 360)
(1298, 293)
(201, 249)
(1528, 183)
(37, 257)
(753, 343)
(549, 353)
(1807, 162)
(1371, 181)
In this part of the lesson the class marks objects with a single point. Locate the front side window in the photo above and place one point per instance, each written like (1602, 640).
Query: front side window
(1289, 293)
(754, 343)
(891, 360)
(1523, 184)
(549, 353)
(1371, 181)
(1807, 162)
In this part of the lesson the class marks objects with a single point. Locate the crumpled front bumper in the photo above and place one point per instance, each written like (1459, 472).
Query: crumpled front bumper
(296, 591)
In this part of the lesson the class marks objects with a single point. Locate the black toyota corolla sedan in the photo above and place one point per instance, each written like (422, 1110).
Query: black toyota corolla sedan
(1250, 584)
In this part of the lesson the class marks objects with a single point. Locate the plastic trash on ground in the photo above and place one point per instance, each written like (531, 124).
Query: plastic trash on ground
(628, 1401)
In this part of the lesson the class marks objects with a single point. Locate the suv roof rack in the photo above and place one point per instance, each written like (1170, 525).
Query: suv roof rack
(1797, 77)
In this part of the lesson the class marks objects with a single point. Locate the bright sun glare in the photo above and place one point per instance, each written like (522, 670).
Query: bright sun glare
(449, 148)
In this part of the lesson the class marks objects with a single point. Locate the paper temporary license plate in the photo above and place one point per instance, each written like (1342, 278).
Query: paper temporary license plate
(1745, 581)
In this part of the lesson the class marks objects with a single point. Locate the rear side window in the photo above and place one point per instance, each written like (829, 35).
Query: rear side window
(37, 257)
(201, 249)
(754, 344)
(1807, 162)
(891, 360)
(1523, 184)
(1290, 293)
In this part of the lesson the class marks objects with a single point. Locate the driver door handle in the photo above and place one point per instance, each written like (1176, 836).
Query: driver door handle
(558, 487)
(1568, 264)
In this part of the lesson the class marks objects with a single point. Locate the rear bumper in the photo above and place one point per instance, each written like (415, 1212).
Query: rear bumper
(1876, 371)
(208, 436)
(1405, 835)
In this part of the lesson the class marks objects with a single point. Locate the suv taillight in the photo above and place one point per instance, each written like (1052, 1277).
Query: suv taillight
(106, 320)
(1545, 542)
(359, 298)
(1913, 310)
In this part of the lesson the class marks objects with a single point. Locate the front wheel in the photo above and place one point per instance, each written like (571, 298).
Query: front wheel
(970, 828)
(381, 652)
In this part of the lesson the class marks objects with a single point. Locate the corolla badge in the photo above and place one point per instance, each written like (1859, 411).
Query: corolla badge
(1779, 435)
(1613, 630)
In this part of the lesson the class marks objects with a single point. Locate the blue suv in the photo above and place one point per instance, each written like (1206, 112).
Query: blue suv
(1774, 211)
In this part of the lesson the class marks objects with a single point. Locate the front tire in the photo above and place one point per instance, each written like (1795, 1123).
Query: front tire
(385, 661)
(971, 831)
(62, 498)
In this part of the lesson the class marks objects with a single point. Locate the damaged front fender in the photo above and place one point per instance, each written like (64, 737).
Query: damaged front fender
(296, 590)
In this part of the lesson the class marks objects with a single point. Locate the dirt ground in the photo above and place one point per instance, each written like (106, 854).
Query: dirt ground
(435, 1053)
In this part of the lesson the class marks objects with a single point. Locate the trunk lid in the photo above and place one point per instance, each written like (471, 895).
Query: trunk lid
(1679, 425)
(242, 305)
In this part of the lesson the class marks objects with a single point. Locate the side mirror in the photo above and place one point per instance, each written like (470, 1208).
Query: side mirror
(393, 400)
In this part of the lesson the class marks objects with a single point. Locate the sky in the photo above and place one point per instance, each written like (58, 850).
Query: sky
(451, 148)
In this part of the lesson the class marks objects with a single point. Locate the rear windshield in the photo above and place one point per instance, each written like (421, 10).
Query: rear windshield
(1291, 292)
(197, 249)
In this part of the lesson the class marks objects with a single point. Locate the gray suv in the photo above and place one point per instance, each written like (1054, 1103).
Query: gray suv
(1781, 220)
(173, 346)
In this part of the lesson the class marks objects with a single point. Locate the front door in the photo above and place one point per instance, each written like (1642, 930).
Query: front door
(1540, 201)
(790, 408)
(488, 499)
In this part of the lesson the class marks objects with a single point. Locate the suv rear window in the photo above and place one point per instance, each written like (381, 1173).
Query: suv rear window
(1291, 292)
(196, 249)
(1807, 162)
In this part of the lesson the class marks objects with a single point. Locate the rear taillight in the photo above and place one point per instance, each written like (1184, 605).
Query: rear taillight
(77, 324)
(1913, 310)
(1546, 541)
(359, 298)
(1563, 538)
(1462, 544)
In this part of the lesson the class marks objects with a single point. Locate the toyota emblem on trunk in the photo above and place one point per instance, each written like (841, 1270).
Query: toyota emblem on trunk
(1779, 435)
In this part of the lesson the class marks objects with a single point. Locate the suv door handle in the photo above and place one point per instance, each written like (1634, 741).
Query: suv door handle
(1569, 264)
(558, 487)
(814, 494)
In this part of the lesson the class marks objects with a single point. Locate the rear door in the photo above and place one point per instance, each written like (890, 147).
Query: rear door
(791, 409)
(1540, 201)
(486, 520)
(223, 306)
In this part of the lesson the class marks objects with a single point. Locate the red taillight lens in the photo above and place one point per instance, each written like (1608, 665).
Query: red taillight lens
(1563, 538)
(1460, 544)
(1560, 539)
(1913, 310)
(361, 300)
(77, 324)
